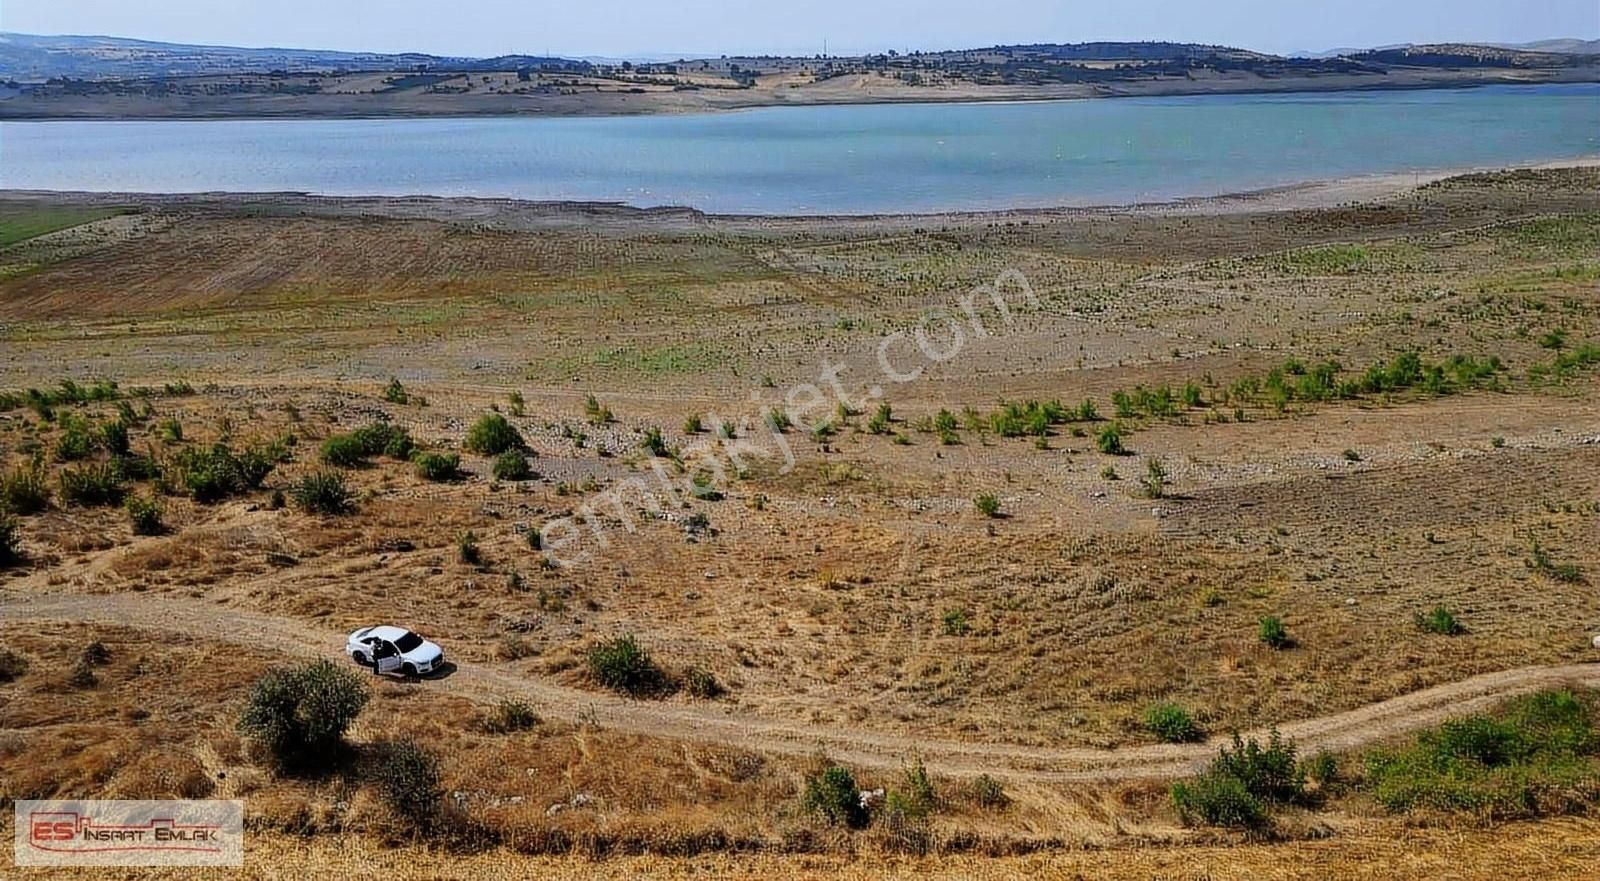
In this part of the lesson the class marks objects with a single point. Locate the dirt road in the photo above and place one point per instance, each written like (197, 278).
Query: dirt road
(718, 723)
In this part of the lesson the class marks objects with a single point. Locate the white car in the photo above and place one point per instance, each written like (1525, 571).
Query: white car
(386, 649)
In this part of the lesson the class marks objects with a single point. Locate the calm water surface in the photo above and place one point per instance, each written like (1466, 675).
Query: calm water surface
(853, 159)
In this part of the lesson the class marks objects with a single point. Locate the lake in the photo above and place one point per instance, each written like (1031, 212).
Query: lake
(841, 159)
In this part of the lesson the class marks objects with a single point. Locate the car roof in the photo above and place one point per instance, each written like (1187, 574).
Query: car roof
(385, 632)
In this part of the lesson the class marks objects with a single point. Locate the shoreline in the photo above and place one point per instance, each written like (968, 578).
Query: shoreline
(1307, 195)
(604, 105)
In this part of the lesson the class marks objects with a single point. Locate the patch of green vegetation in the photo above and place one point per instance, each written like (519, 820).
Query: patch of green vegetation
(1326, 260)
(831, 793)
(438, 467)
(1533, 757)
(1440, 621)
(1171, 723)
(492, 435)
(1573, 237)
(1240, 784)
(18, 224)
(622, 664)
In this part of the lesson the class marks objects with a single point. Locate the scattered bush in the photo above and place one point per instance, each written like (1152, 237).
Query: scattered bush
(987, 504)
(438, 467)
(595, 412)
(1235, 789)
(1323, 769)
(623, 665)
(1274, 633)
(82, 675)
(701, 684)
(218, 473)
(10, 540)
(832, 794)
(23, 490)
(1540, 561)
(12, 665)
(1217, 800)
(879, 423)
(409, 783)
(96, 654)
(1171, 723)
(114, 438)
(170, 430)
(954, 622)
(1439, 621)
(300, 714)
(492, 435)
(94, 485)
(692, 424)
(342, 451)
(467, 548)
(509, 716)
(1155, 479)
(654, 444)
(324, 492)
(1109, 440)
(915, 797)
(145, 515)
(395, 393)
(778, 420)
(989, 793)
(512, 465)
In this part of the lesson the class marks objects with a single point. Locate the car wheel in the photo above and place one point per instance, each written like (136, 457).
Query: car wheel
(361, 658)
(408, 669)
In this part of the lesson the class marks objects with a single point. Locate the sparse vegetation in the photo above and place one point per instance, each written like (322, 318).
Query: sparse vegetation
(410, 784)
(492, 435)
(1439, 621)
(623, 665)
(512, 465)
(1272, 631)
(93, 485)
(145, 515)
(1171, 723)
(439, 467)
(832, 794)
(10, 540)
(988, 504)
(324, 492)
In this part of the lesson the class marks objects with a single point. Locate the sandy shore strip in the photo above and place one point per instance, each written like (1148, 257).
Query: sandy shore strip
(525, 214)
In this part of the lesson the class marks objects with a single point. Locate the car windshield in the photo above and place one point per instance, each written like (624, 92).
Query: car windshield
(408, 642)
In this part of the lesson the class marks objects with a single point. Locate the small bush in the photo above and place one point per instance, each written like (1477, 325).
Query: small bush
(75, 442)
(654, 444)
(701, 684)
(1440, 621)
(395, 393)
(623, 665)
(1171, 723)
(1155, 479)
(915, 797)
(596, 413)
(1272, 631)
(492, 435)
(96, 485)
(324, 492)
(10, 541)
(384, 439)
(1323, 769)
(170, 430)
(467, 548)
(778, 420)
(509, 716)
(512, 465)
(218, 473)
(1109, 440)
(692, 424)
(1540, 561)
(300, 714)
(409, 783)
(954, 622)
(438, 467)
(987, 504)
(989, 793)
(96, 654)
(82, 675)
(12, 665)
(1270, 772)
(342, 451)
(23, 490)
(832, 794)
(145, 515)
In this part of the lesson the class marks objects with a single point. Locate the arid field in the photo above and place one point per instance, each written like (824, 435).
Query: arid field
(1018, 517)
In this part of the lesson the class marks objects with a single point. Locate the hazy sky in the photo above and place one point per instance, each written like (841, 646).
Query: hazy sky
(629, 27)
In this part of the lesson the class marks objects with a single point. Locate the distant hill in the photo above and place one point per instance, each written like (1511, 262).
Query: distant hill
(29, 57)
(1562, 47)
(1469, 55)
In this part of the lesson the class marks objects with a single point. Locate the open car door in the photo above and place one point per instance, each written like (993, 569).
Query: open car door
(388, 657)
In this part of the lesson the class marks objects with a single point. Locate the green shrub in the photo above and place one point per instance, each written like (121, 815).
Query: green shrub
(1219, 800)
(595, 412)
(23, 490)
(384, 439)
(300, 714)
(879, 423)
(778, 420)
(218, 473)
(438, 467)
(1269, 772)
(512, 465)
(916, 796)
(1272, 632)
(1531, 757)
(409, 783)
(1540, 561)
(94, 485)
(145, 515)
(343, 451)
(492, 435)
(832, 794)
(10, 540)
(1109, 440)
(1323, 768)
(76, 442)
(987, 504)
(1155, 479)
(623, 665)
(954, 622)
(114, 437)
(170, 430)
(1439, 621)
(510, 715)
(12, 666)
(654, 444)
(1171, 723)
(395, 393)
(324, 492)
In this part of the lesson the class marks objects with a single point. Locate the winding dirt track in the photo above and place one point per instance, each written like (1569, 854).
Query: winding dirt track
(713, 723)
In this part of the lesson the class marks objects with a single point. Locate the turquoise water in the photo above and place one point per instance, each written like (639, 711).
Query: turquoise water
(849, 159)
